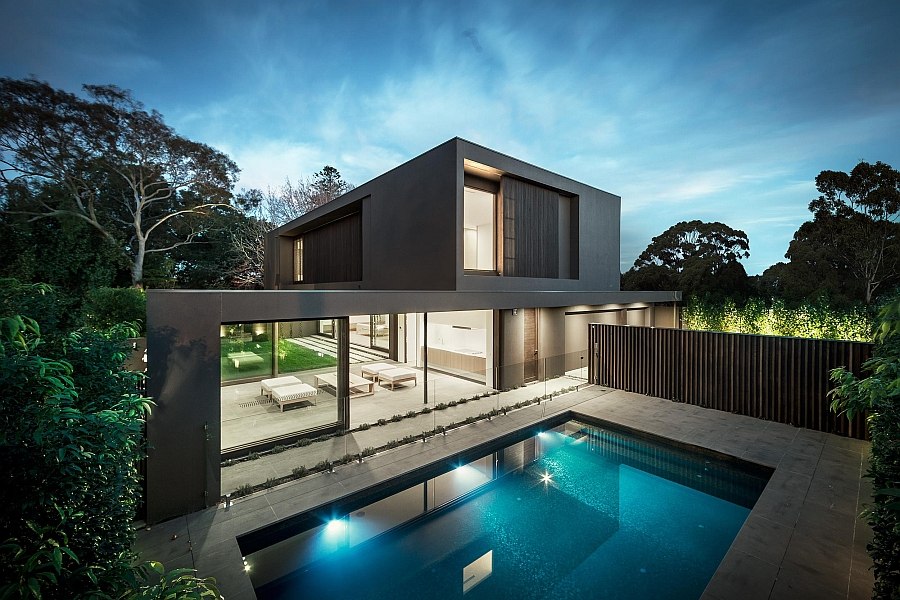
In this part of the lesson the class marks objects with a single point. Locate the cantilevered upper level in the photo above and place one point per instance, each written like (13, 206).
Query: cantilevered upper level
(458, 217)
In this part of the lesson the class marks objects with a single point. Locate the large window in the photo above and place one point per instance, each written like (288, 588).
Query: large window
(478, 230)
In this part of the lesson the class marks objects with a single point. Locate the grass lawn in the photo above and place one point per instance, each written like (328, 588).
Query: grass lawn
(292, 358)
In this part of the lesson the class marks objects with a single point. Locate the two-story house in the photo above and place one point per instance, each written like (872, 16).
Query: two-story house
(462, 263)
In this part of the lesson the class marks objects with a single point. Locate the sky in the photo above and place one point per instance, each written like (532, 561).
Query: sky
(719, 111)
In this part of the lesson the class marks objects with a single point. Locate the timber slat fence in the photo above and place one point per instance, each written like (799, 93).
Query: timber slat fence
(779, 379)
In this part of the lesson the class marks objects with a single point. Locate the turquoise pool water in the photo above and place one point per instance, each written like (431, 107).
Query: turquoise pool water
(578, 512)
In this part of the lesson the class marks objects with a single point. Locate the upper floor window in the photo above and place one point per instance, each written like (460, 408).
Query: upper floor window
(478, 230)
(298, 259)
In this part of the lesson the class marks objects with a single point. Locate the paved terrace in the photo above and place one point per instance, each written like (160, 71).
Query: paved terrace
(802, 539)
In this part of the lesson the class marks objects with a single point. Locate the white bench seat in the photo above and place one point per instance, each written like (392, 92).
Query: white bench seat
(394, 376)
(267, 385)
(290, 394)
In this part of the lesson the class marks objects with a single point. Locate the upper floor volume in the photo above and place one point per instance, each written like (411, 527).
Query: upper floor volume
(458, 217)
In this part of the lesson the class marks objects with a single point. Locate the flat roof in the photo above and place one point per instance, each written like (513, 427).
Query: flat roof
(282, 305)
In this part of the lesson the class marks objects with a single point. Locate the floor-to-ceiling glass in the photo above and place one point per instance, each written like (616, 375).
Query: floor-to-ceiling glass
(278, 379)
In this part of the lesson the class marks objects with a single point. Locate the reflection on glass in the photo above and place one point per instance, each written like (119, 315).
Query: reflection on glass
(478, 570)
(246, 350)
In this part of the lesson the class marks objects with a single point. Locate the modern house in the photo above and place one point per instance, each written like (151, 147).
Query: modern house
(462, 267)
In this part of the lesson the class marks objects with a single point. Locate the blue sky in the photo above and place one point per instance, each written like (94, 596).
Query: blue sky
(720, 111)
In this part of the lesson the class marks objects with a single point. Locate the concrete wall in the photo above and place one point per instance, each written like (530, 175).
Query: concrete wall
(551, 341)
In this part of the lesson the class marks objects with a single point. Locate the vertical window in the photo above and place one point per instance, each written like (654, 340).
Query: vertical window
(298, 259)
(478, 230)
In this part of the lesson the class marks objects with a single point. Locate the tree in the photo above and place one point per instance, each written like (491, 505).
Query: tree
(266, 210)
(857, 216)
(694, 256)
(292, 200)
(814, 270)
(65, 252)
(118, 168)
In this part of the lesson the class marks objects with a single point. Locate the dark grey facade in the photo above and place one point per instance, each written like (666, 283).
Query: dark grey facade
(416, 210)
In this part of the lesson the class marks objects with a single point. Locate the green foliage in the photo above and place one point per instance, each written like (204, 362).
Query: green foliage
(152, 582)
(70, 440)
(878, 395)
(112, 164)
(695, 257)
(756, 316)
(105, 307)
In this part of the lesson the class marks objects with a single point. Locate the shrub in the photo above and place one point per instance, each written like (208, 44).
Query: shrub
(382, 421)
(879, 396)
(105, 307)
(363, 426)
(70, 439)
(300, 471)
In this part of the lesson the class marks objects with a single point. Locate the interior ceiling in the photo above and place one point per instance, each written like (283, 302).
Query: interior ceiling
(480, 170)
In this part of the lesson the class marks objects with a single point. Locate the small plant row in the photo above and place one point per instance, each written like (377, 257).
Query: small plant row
(362, 427)
(327, 466)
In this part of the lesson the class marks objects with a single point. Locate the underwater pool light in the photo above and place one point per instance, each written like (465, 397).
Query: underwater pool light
(546, 477)
(336, 526)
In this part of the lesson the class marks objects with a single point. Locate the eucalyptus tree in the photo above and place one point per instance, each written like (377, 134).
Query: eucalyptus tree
(121, 169)
(857, 216)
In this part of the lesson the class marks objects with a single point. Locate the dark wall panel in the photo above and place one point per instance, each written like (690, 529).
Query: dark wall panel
(333, 252)
(530, 230)
(774, 378)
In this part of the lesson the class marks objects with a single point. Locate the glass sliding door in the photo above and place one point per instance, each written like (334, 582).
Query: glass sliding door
(380, 332)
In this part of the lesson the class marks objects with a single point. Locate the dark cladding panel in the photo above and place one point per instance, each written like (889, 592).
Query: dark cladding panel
(530, 230)
(333, 252)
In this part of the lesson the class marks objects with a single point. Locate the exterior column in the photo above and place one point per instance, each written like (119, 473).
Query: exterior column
(425, 356)
(342, 335)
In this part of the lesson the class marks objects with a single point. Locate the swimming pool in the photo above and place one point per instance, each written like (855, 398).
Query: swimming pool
(577, 511)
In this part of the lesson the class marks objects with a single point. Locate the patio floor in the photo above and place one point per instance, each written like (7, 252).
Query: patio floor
(801, 540)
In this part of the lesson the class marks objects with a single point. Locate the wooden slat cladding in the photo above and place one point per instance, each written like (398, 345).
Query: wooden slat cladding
(530, 230)
(333, 252)
(774, 378)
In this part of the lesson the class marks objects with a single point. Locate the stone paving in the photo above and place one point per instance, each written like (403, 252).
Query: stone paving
(802, 539)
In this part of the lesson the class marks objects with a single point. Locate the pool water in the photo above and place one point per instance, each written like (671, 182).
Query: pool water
(578, 512)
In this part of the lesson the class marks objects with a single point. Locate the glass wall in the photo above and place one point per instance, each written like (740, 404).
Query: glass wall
(370, 331)
(279, 379)
(459, 343)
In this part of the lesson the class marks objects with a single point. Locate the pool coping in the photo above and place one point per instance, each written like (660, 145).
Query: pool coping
(802, 539)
